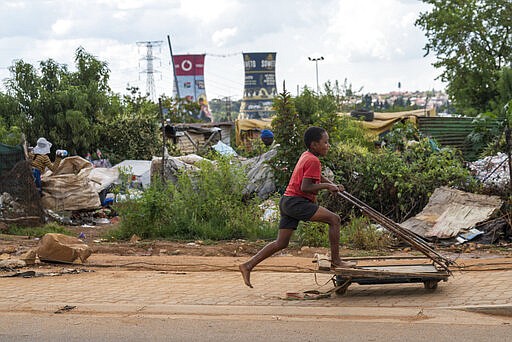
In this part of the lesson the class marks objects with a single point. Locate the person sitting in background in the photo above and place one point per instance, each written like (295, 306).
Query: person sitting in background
(267, 137)
(40, 160)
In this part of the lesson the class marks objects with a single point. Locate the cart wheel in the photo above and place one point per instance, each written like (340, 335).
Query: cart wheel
(342, 290)
(342, 281)
(430, 284)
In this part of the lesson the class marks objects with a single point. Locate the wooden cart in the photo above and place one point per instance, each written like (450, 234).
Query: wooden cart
(411, 272)
(430, 274)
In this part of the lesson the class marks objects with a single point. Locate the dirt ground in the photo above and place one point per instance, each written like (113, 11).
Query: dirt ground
(201, 256)
(97, 238)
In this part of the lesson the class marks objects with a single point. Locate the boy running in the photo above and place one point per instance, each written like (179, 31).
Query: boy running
(299, 203)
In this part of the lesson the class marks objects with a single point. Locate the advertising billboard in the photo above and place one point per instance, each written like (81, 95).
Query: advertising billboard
(260, 84)
(189, 71)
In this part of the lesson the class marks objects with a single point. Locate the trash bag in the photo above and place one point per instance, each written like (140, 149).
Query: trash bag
(69, 187)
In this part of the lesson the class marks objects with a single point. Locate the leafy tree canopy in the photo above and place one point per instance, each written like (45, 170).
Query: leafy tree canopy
(63, 106)
(472, 40)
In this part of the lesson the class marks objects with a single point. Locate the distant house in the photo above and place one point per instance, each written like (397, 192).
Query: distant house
(196, 137)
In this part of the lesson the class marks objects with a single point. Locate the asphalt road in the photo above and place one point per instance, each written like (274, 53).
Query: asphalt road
(27, 326)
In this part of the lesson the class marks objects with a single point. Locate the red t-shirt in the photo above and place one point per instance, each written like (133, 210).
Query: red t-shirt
(308, 166)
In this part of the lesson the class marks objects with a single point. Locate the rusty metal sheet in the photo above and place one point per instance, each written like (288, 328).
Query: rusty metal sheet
(450, 211)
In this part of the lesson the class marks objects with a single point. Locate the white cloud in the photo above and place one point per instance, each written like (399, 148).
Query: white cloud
(15, 4)
(123, 4)
(205, 11)
(220, 37)
(62, 26)
(371, 43)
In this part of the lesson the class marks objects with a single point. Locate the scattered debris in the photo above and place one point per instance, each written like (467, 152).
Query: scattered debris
(10, 264)
(34, 274)
(470, 235)
(26, 274)
(135, 238)
(307, 295)
(65, 308)
(29, 257)
(492, 171)
(494, 231)
(13, 210)
(84, 218)
(270, 211)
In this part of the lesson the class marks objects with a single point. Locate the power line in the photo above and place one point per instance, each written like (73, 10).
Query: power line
(223, 55)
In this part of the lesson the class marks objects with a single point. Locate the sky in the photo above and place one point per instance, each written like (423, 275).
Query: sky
(373, 44)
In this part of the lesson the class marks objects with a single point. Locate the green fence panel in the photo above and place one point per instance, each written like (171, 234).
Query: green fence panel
(9, 156)
(451, 132)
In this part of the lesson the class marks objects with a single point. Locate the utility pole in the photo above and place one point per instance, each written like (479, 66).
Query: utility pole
(228, 108)
(321, 58)
(149, 71)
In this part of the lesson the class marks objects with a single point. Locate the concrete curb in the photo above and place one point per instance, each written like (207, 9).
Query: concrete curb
(375, 314)
(498, 310)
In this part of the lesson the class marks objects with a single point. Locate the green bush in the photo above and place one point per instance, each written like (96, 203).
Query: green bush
(313, 234)
(397, 184)
(359, 233)
(204, 205)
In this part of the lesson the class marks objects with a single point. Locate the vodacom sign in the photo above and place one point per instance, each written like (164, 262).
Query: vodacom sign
(186, 65)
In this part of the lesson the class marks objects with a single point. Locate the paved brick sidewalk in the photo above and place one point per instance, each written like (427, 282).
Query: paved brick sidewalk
(113, 288)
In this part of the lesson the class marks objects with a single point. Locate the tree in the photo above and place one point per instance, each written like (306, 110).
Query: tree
(224, 109)
(306, 105)
(472, 40)
(65, 107)
(9, 110)
(288, 130)
(9, 135)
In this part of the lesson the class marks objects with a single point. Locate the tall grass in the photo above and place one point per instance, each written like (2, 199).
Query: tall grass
(203, 205)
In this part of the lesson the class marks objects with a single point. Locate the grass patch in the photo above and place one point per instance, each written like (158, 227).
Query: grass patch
(360, 234)
(313, 234)
(38, 231)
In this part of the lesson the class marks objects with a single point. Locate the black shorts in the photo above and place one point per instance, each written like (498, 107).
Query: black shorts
(294, 209)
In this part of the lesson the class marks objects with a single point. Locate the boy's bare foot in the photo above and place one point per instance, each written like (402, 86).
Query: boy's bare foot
(246, 274)
(342, 264)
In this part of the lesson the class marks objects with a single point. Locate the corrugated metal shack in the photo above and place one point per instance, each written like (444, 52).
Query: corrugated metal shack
(452, 132)
(196, 137)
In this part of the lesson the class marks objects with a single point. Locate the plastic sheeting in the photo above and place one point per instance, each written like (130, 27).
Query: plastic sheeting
(383, 122)
(249, 125)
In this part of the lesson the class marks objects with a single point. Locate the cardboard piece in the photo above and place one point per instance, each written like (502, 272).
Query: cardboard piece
(55, 247)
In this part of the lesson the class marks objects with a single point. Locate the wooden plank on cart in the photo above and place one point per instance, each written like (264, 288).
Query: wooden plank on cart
(379, 273)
